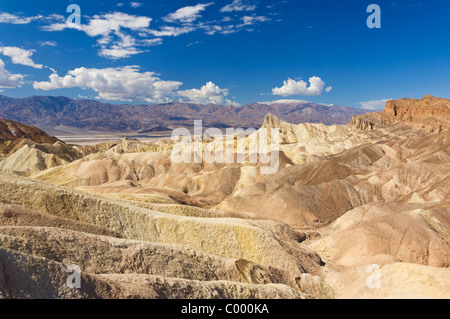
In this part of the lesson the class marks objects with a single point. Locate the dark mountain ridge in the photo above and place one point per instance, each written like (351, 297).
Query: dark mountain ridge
(47, 112)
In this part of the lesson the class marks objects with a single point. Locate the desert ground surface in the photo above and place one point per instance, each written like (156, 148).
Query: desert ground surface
(354, 211)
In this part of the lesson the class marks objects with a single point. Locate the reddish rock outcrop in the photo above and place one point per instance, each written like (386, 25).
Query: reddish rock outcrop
(430, 113)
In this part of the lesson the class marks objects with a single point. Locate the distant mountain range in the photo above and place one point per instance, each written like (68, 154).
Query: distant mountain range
(54, 114)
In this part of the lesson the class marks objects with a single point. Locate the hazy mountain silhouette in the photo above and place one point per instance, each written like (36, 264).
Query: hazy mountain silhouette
(48, 112)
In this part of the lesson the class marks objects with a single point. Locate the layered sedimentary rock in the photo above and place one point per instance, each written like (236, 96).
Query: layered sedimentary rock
(344, 198)
(430, 112)
(212, 243)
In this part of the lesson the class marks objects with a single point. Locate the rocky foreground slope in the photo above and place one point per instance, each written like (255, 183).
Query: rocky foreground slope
(345, 198)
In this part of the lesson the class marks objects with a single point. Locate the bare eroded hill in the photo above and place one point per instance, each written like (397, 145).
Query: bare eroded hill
(345, 198)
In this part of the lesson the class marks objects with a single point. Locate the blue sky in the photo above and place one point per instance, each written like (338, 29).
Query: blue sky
(226, 51)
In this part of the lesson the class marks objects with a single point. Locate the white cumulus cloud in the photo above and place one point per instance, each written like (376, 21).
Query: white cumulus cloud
(123, 84)
(375, 105)
(8, 80)
(20, 56)
(113, 40)
(238, 5)
(104, 25)
(187, 14)
(209, 93)
(292, 87)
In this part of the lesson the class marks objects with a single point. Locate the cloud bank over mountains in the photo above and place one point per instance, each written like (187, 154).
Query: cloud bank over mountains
(129, 84)
(123, 84)
(209, 93)
(292, 87)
